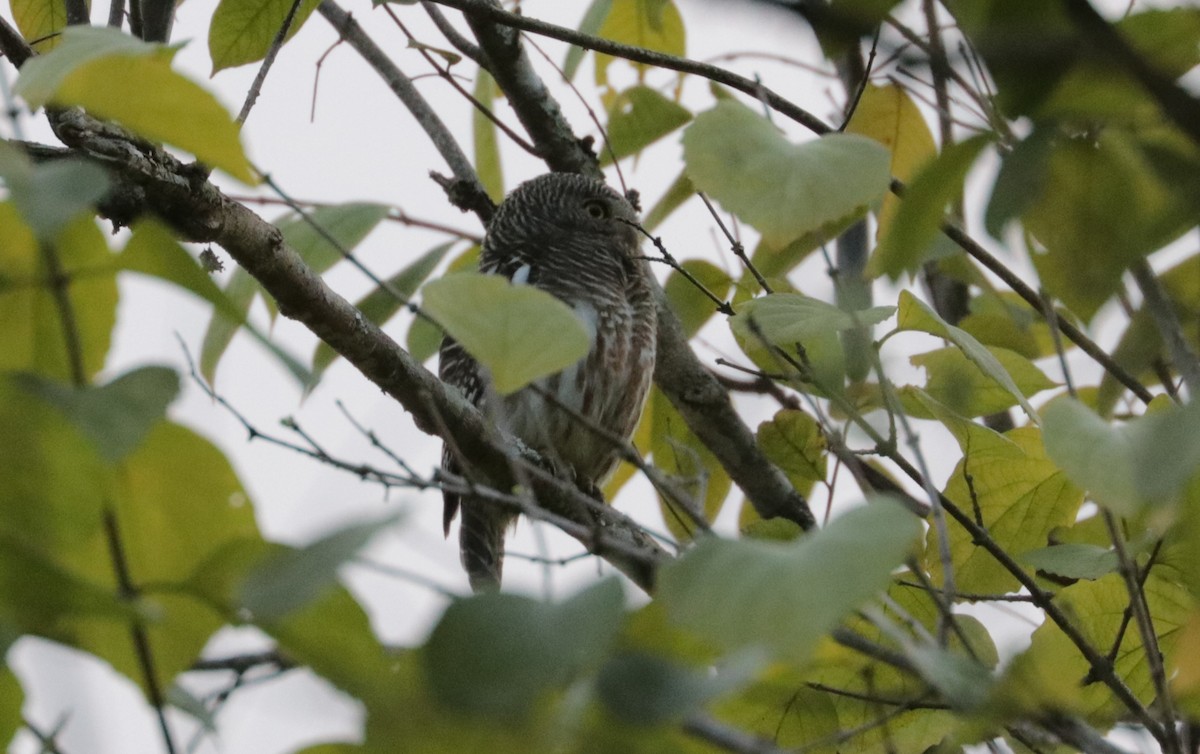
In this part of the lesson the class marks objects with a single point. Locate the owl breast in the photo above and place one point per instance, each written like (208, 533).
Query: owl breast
(608, 387)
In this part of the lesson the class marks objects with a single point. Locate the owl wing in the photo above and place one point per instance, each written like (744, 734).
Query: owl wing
(458, 369)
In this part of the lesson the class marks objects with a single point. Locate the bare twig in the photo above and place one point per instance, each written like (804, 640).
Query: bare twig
(475, 197)
(268, 61)
(727, 738)
(444, 73)
(735, 245)
(1167, 321)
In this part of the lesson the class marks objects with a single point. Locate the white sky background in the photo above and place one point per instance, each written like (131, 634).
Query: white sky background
(363, 145)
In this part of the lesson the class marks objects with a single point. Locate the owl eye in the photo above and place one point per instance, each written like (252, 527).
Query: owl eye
(597, 209)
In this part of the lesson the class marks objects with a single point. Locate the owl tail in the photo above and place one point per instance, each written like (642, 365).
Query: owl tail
(481, 544)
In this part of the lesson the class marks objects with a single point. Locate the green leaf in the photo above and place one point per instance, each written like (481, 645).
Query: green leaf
(688, 302)
(961, 680)
(239, 292)
(1099, 611)
(793, 441)
(32, 338)
(320, 237)
(1021, 180)
(95, 68)
(680, 190)
(424, 338)
(906, 244)
(638, 117)
(487, 148)
(195, 708)
(1073, 560)
(788, 318)
(12, 697)
(242, 31)
(153, 251)
(49, 196)
(1008, 484)
(39, 596)
(519, 332)
(1143, 462)
(959, 384)
(324, 233)
(693, 468)
(39, 22)
(333, 636)
(650, 24)
(791, 314)
(786, 596)
(41, 76)
(1005, 320)
(593, 19)
(51, 481)
(379, 305)
(1102, 208)
(917, 315)
(116, 417)
(172, 517)
(292, 578)
(784, 190)
(644, 689)
(493, 655)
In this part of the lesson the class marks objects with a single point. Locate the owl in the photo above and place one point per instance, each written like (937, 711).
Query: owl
(573, 237)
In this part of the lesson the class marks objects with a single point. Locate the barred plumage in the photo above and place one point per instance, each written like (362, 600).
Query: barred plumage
(572, 237)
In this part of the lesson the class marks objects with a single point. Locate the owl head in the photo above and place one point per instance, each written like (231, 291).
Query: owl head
(557, 206)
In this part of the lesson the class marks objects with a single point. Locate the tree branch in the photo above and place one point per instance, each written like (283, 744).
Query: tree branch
(535, 107)
(1168, 324)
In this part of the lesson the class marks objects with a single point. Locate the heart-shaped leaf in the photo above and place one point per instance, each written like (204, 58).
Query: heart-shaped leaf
(784, 190)
(519, 332)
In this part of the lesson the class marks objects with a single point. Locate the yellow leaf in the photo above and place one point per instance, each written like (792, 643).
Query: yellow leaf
(40, 21)
(167, 107)
(889, 116)
(652, 24)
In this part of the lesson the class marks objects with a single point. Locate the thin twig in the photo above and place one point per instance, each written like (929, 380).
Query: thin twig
(444, 73)
(724, 307)
(460, 43)
(735, 245)
(141, 639)
(1169, 327)
(1073, 333)
(268, 61)
(1145, 624)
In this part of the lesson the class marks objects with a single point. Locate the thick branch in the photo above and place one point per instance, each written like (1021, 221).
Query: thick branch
(536, 108)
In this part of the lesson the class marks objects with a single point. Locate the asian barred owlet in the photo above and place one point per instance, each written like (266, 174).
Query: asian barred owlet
(572, 237)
